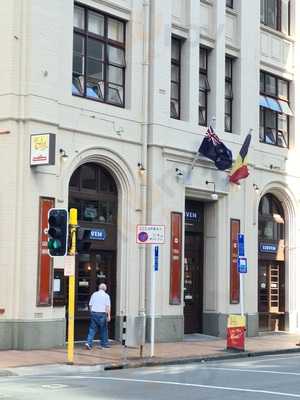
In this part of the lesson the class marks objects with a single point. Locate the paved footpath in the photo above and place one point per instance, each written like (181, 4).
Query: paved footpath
(194, 348)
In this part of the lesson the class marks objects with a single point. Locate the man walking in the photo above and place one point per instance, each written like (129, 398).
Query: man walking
(100, 314)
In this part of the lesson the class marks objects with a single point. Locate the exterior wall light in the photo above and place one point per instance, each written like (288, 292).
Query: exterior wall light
(256, 188)
(141, 168)
(179, 173)
(214, 196)
(63, 154)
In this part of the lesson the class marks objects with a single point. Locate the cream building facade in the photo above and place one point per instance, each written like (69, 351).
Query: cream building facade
(113, 122)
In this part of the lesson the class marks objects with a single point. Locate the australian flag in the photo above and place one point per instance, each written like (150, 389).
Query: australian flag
(214, 149)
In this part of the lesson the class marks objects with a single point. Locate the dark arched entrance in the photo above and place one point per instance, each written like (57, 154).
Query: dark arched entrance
(93, 192)
(271, 265)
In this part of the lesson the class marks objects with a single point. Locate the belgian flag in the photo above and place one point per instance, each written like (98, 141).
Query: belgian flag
(240, 168)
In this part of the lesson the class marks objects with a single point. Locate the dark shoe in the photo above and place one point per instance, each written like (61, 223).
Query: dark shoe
(87, 346)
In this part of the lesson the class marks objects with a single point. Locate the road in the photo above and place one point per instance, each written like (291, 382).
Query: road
(262, 378)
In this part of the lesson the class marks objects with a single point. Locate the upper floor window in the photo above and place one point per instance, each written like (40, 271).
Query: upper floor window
(274, 110)
(229, 3)
(98, 56)
(276, 14)
(203, 86)
(228, 93)
(175, 78)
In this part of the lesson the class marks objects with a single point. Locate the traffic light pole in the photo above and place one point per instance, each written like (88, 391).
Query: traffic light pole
(72, 252)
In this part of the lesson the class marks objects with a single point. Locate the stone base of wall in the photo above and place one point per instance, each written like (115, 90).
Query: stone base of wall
(168, 328)
(215, 324)
(32, 334)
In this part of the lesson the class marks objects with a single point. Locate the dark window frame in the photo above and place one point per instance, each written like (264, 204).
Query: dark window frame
(85, 34)
(204, 72)
(279, 22)
(264, 111)
(229, 3)
(229, 99)
(176, 63)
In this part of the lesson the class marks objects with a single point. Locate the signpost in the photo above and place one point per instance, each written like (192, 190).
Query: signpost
(155, 235)
(241, 255)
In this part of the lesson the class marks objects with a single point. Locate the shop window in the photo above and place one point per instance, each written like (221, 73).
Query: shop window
(271, 219)
(98, 56)
(175, 78)
(276, 14)
(89, 177)
(275, 110)
(203, 86)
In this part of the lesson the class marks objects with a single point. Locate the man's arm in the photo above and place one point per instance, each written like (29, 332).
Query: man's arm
(107, 308)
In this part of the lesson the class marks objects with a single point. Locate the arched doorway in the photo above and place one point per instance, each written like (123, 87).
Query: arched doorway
(93, 192)
(271, 264)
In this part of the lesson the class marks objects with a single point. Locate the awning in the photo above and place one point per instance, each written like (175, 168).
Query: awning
(275, 105)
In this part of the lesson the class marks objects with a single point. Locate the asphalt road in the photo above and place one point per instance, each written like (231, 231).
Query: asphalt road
(262, 378)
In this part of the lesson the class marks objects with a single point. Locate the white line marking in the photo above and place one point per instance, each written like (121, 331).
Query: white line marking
(258, 371)
(232, 389)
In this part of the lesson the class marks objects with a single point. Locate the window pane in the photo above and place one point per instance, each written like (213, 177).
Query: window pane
(228, 90)
(227, 107)
(115, 94)
(90, 210)
(78, 17)
(262, 82)
(74, 181)
(115, 30)
(282, 89)
(105, 211)
(228, 68)
(115, 75)
(271, 13)
(78, 55)
(203, 58)
(107, 183)
(202, 116)
(95, 69)
(78, 85)
(270, 118)
(174, 109)
(175, 49)
(227, 123)
(95, 90)
(285, 16)
(261, 125)
(203, 84)
(116, 56)
(78, 44)
(96, 23)
(270, 137)
(175, 73)
(95, 49)
(202, 99)
(270, 82)
(174, 91)
(88, 177)
(282, 122)
(262, 10)
(229, 3)
(282, 139)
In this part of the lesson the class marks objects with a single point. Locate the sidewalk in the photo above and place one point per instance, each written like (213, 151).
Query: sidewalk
(194, 348)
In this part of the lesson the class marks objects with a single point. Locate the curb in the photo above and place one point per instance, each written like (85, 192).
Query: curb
(42, 370)
(190, 360)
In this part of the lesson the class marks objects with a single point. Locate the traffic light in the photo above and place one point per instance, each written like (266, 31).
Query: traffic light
(57, 232)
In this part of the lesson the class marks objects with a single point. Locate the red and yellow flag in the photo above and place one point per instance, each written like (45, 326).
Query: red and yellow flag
(240, 168)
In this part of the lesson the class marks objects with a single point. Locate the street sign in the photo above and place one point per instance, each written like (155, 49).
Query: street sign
(150, 234)
(241, 245)
(156, 258)
(242, 265)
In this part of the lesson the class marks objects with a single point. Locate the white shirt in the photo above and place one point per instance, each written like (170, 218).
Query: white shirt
(100, 301)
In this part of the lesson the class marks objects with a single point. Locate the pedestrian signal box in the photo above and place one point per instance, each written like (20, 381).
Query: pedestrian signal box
(57, 232)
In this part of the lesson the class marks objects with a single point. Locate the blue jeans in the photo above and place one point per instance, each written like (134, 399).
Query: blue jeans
(98, 321)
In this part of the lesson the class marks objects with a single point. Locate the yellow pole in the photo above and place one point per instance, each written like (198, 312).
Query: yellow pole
(72, 252)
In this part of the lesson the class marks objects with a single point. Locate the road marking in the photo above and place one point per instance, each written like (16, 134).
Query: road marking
(258, 371)
(195, 385)
(54, 386)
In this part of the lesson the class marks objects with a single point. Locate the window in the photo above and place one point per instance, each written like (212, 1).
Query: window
(274, 110)
(228, 94)
(276, 14)
(203, 86)
(271, 219)
(175, 78)
(98, 57)
(229, 3)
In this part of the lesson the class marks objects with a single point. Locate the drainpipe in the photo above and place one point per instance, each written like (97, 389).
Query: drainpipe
(144, 161)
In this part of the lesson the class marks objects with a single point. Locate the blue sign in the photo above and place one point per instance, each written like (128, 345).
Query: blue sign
(242, 265)
(268, 248)
(191, 215)
(156, 258)
(241, 245)
(98, 234)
